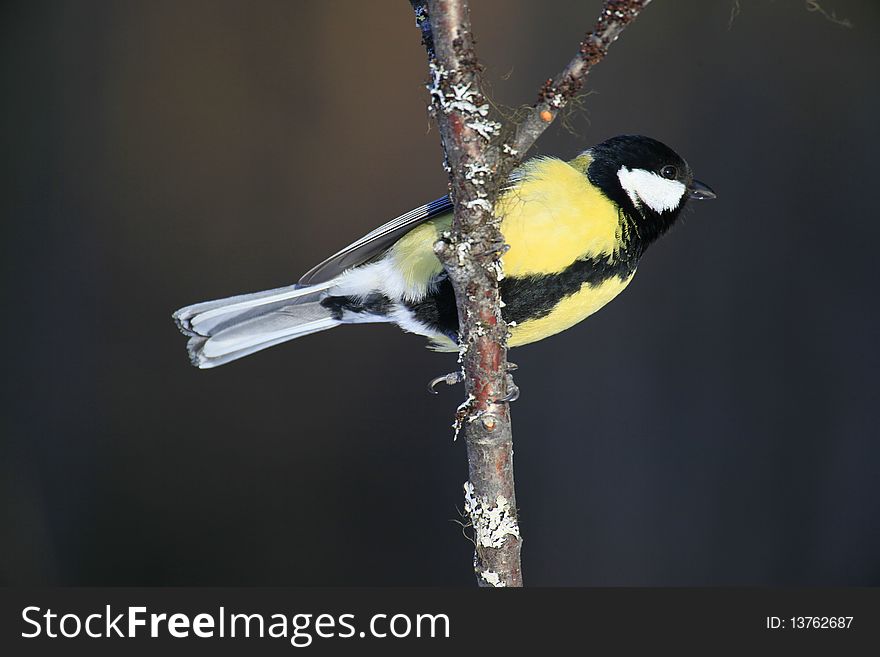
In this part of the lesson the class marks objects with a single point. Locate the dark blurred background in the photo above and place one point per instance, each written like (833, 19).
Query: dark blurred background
(715, 425)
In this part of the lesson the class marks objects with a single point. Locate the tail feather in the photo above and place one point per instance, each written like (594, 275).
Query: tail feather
(227, 329)
(204, 363)
(203, 318)
(259, 330)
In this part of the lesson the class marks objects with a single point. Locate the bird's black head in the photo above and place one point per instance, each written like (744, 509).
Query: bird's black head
(648, 180)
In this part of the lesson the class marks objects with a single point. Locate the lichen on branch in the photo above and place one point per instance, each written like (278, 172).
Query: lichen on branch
(479, 154)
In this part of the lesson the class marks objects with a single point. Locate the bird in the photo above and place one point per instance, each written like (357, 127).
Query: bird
(575, 232)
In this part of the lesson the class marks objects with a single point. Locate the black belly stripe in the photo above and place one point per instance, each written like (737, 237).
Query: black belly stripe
(525, 297)
(533, 297)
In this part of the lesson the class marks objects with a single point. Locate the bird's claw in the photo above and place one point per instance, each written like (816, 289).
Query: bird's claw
(512, 391)
(449, 379)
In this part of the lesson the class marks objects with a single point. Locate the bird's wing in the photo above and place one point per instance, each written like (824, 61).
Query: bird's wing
(375, 242)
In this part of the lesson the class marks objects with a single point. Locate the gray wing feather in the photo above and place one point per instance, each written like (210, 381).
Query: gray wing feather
(374, 243)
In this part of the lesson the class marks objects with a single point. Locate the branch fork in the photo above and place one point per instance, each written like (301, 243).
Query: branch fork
(480, 153)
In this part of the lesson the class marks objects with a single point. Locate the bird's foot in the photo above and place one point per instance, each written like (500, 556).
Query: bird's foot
(458, 377)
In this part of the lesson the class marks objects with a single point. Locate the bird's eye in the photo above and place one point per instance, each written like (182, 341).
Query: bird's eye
(669, 172)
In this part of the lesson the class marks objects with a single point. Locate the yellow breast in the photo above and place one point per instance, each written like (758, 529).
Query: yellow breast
(553, 217)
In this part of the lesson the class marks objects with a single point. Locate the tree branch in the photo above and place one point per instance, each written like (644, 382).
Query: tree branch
(480, 153)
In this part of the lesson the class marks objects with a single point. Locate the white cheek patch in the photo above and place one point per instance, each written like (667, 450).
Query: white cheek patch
(655, 191)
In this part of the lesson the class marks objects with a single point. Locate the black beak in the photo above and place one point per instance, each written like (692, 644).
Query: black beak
(700, 191)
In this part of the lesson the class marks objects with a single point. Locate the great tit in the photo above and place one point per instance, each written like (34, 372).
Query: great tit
(575, 231)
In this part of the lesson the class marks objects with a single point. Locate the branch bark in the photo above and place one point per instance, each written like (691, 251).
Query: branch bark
(480, 153)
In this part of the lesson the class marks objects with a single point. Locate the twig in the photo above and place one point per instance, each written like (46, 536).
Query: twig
(556, 93)
(480, 153)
